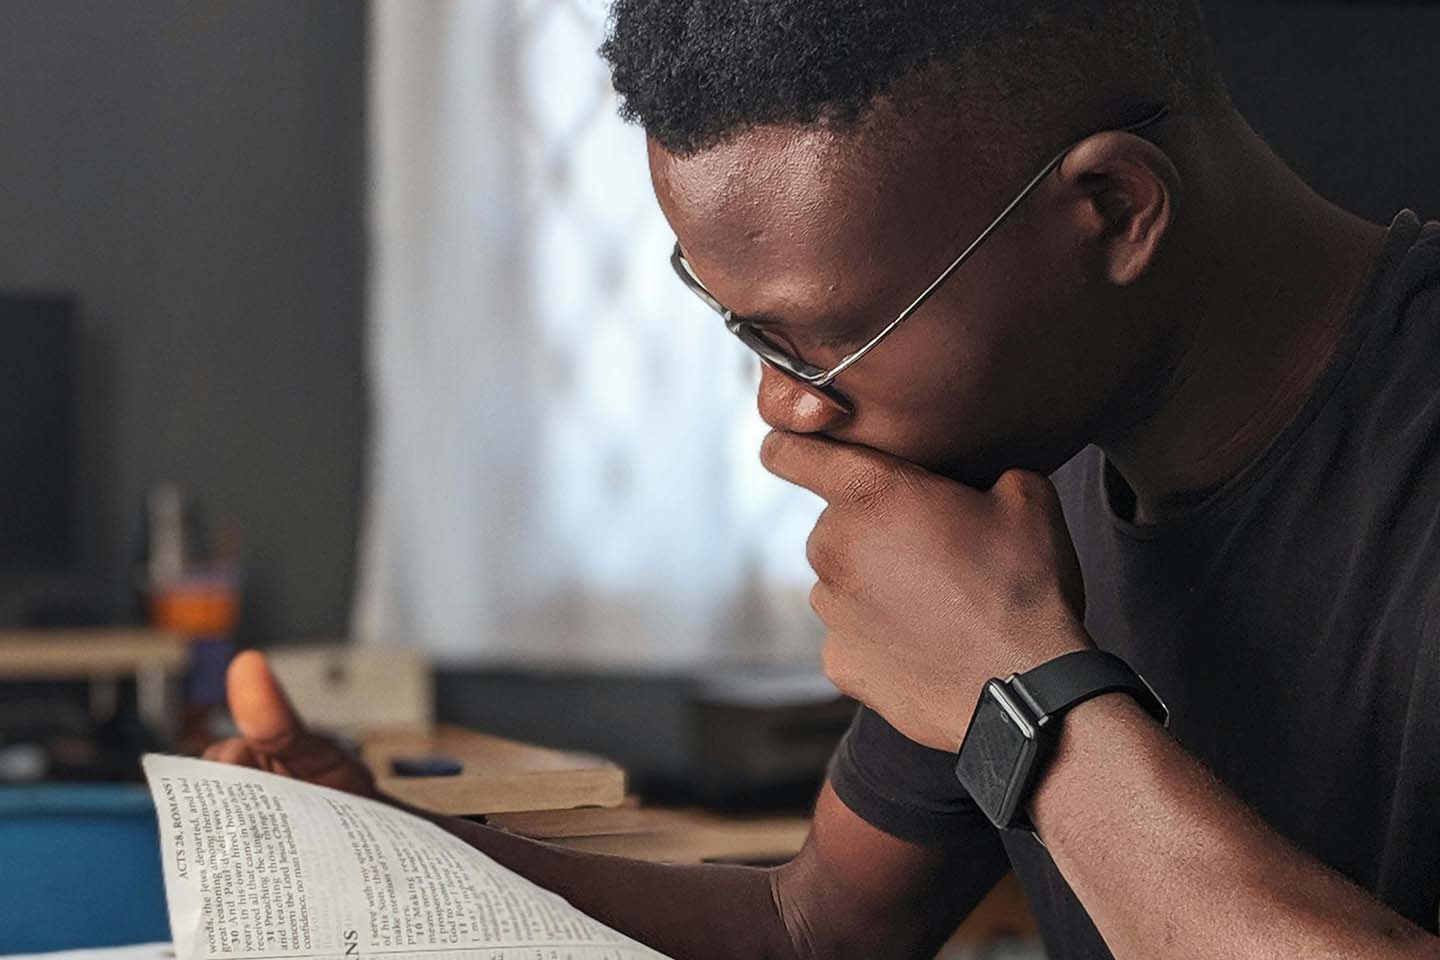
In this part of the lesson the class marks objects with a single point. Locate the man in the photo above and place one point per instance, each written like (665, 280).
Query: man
(1230, 383)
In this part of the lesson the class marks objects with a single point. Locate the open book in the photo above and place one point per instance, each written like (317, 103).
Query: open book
(260, 867)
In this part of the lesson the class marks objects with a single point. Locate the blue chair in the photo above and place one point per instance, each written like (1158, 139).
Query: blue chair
(79, 867)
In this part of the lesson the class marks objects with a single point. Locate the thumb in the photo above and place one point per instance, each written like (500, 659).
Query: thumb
(259, 705)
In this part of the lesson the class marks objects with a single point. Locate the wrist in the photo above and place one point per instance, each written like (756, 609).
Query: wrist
(1045, 643)
(1093, 736)
(1018, 730)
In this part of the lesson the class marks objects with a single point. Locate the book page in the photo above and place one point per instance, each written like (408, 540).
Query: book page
(261, 867)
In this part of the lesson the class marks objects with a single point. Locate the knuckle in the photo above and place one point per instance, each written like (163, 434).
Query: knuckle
(814, 550)
(1023, 487)
(1011, 482)
(823, 601)
(824, 554)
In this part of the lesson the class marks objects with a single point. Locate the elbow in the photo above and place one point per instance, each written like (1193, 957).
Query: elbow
(814, 927)
(798, 940)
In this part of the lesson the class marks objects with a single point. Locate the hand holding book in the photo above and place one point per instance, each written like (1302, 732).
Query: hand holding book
(262, 867)
(274, 738)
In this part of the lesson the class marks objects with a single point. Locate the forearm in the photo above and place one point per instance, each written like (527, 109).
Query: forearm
(689, 912)
(1170, 864)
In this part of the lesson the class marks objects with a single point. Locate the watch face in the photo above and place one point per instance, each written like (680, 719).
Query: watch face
(996, 754)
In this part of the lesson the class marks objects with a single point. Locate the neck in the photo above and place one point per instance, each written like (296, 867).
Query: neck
(1269, 272)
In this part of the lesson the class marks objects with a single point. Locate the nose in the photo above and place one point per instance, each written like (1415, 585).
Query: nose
(786, 405)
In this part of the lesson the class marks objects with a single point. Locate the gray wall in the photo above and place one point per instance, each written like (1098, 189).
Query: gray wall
(194, 171)
(1346, 92)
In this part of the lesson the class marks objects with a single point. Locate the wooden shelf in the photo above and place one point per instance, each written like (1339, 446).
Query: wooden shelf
(86, 654)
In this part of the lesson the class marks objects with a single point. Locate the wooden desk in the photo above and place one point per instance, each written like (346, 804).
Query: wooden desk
(101, 658)
(527, 790)
(691, 836)
(497, 775)
(665, 835)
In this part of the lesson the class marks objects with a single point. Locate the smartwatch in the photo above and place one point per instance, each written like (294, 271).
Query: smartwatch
(1016, 725)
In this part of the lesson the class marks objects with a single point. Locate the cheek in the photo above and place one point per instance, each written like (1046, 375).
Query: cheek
(1036, 338)
(1014, 383)
(919, 401)
(1059, 358)
(1038, 387)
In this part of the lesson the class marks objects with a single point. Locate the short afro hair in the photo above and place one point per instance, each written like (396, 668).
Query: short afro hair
(695, 73)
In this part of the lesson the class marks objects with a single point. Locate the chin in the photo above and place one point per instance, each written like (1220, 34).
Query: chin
(980, 469)
(970, 474)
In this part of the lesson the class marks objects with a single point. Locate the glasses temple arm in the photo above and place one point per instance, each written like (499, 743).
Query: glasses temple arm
(939, 281)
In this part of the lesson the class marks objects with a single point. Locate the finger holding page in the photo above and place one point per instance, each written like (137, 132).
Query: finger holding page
(235, 752)
(260, 707)
(270, 868)
(273, 734)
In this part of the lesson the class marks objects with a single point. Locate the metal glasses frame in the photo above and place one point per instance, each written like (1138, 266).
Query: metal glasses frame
(820, 379)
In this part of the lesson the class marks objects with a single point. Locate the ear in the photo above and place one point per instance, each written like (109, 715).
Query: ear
(1126, 189)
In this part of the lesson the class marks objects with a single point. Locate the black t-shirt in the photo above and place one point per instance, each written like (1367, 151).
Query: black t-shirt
(1291, 622)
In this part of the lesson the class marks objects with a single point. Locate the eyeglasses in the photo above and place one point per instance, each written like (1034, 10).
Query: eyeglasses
(820, 380)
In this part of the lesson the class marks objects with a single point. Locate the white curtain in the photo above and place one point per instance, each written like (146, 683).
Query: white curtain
(563, 464)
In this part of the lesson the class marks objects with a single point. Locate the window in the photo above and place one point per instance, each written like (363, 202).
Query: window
(565, 466)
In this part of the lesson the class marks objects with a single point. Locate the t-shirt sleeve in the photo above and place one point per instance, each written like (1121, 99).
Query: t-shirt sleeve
(905, 789)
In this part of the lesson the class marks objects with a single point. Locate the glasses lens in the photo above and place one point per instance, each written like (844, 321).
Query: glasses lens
(773, 355)
(777, 354)
(783, 361)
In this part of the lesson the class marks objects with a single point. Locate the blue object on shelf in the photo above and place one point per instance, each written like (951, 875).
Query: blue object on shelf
(79, 867)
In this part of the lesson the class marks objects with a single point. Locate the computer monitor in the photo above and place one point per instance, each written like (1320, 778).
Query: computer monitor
(37, 357)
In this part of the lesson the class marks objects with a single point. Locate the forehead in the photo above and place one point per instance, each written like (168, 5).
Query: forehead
(778, 217)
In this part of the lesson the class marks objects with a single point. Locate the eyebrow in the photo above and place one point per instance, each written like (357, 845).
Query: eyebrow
(828, 324)
(768, 320)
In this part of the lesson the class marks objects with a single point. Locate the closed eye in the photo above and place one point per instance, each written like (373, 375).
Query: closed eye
(816, 346)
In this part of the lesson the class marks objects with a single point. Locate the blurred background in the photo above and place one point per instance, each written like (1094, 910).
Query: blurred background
(345, 330)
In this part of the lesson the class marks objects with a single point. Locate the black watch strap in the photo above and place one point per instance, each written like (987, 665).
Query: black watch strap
(1057, 685)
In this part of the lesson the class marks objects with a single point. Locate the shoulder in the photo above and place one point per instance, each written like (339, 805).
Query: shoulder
(1399, 393)
(1409, 297)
